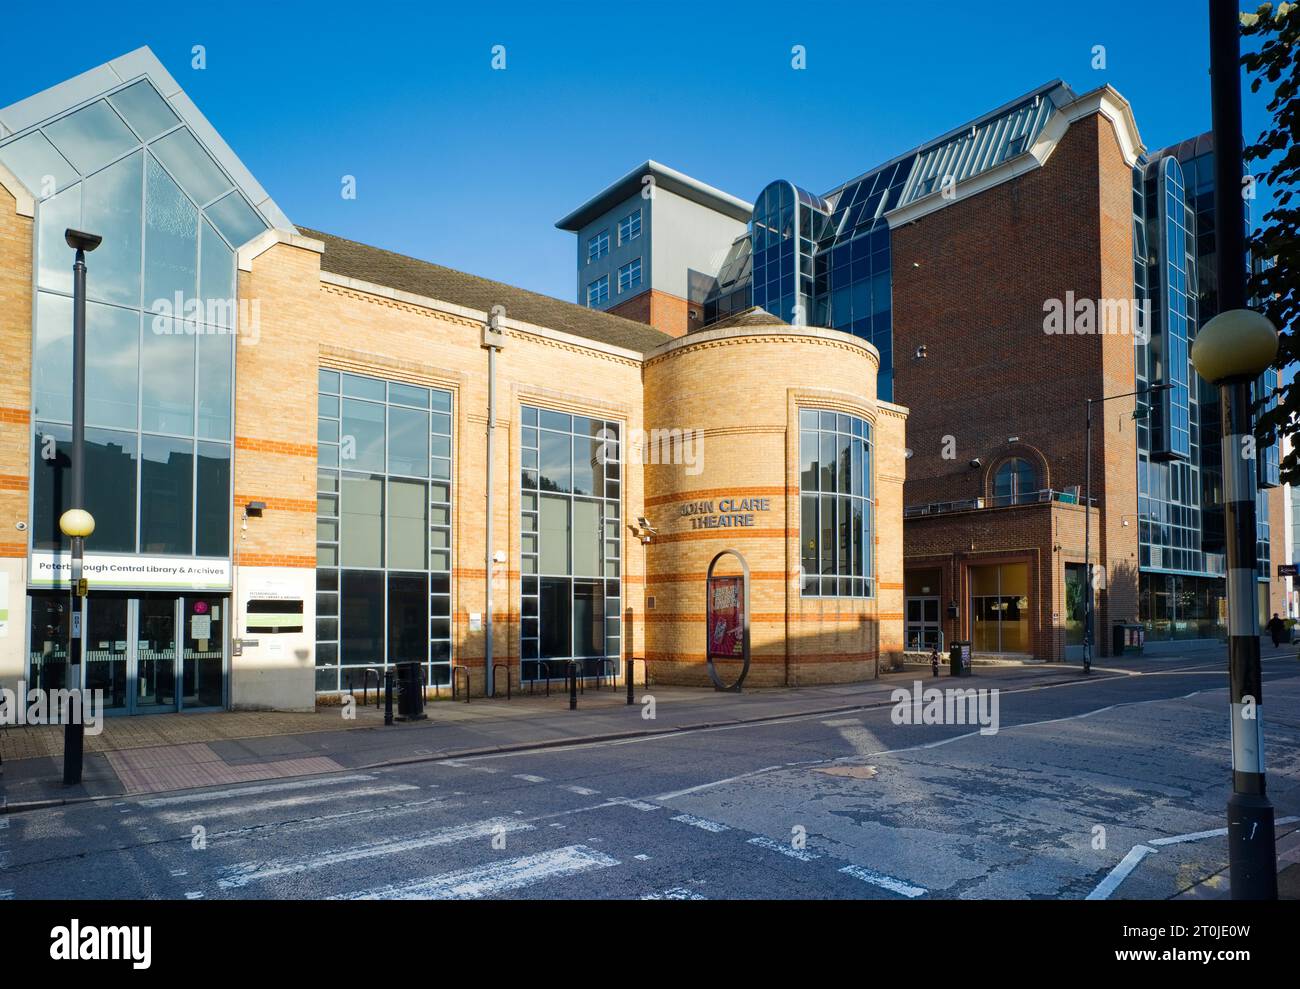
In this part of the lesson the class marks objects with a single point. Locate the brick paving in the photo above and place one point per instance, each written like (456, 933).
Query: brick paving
(177, 767)
(148, 731)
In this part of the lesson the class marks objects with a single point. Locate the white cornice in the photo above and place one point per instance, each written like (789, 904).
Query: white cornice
(267, 239)
(25, 202)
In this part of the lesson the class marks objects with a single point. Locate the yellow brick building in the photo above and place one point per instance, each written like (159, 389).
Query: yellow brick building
(288, 442)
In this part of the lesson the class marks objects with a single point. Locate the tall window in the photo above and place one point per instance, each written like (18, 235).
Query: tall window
(1015, 483)
(161, 323)
(383, 528)
(629, 228)
(598, 246)
(836, 530)
(570, 543)
(629, 276)
(598, 291)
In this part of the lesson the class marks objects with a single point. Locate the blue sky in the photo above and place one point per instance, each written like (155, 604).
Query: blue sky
(470, 167)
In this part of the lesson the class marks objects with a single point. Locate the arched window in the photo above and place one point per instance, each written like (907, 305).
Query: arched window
(1015, 483)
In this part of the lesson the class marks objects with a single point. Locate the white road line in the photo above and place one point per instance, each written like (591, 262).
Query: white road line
(1118, 874)
(194, 895)
(705, 786)
(494, 879)
(803, 855)
(1194, 836)
(634, 804)
(1138, 852)
(6, 894)
(883, 881)
(530, 778)
(205, 813)
(582, 791)
(1178, 839)
(245, 791)
(243, 873)
(701, 823)
(676, 893)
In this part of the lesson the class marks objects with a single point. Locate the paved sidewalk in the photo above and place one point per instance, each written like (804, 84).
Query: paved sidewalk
(1287, 840)
(174, 751)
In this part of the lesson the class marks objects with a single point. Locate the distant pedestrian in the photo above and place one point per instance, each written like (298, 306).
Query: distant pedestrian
(1276, 627)
(934, 659)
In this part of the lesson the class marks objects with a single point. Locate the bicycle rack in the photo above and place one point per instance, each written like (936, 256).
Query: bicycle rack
(541, 664)
(454, 671)
(365, 687)
(495, 667)
(603, 664)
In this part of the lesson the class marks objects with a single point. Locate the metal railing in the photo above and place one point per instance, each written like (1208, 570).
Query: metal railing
(1070, 496)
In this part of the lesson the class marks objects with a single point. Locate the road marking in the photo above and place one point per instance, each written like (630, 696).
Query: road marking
(191, 798)
(1138, 852)
(177, 873)
(6, 894)
(762, 841)
(180, 817)
(705, 786)
(530, 778)
(242, 873)
(883, 881)
(582, 791)
(642, 858)
(676, 893)
(194, 895)
(1118, 874)
(701, 823)
(492, 880)
(634, 804)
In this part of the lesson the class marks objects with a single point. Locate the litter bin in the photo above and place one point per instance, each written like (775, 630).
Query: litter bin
(410, 692)
(959, 659)
(1128, 638)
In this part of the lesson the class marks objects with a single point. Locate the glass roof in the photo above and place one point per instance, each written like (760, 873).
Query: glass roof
(53, 155)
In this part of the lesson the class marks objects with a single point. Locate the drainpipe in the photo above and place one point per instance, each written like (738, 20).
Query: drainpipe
(493, 340)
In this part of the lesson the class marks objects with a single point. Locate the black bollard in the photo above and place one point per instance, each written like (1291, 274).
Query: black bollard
(628, 672)
(573, 685)
(388, 696)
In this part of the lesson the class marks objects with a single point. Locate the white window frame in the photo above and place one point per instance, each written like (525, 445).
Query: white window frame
(600, 289)
(626, 270)
(632, 218)
(598, 246)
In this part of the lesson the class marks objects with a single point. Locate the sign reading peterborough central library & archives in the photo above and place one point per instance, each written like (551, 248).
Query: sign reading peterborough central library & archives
(730, 512)
(185, 573)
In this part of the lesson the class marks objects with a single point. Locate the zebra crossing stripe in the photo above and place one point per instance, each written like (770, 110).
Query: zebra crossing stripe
(243, 873)
(494, 879)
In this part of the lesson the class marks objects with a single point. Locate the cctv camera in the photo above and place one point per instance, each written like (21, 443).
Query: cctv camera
(976, 464)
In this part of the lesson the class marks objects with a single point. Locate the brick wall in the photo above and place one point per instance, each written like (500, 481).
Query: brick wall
(970, 283)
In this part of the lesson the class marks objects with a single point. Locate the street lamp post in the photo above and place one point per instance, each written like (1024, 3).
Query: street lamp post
(76, 522)
(1087, 515)
(1231, 351)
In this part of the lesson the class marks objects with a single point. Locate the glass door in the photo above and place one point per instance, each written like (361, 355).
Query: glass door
(154, 647)
(203, 665)
(107, 647)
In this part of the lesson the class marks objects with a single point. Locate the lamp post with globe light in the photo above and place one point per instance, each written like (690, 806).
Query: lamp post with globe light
(76, 523)
(1231, 351)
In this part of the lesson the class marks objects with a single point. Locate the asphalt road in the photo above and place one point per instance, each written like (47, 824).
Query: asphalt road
(826, 807)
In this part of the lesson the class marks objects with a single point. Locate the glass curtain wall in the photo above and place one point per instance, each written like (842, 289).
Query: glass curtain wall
(570, 544)
(836, 527)
(161, 319)
(383, 528)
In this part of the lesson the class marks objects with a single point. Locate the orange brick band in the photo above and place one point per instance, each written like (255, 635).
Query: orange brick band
(275, 446)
